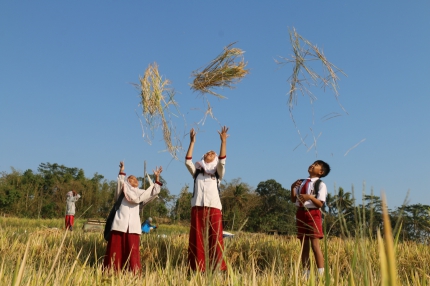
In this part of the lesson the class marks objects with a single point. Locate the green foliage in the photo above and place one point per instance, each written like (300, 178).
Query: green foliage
(238, 202)
(182, 209)
(42, 194)
(275, 211)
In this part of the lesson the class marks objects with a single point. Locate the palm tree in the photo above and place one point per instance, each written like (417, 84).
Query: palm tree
(329, 203)
(343, 201)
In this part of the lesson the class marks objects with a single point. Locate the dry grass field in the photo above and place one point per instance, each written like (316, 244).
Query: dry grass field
(40, 252)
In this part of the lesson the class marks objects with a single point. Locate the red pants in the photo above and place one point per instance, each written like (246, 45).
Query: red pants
(122, 251)
(206, 238)
(309, 223)
(70, 220)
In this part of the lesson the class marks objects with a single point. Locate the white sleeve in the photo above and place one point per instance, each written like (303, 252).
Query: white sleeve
(220, 168)
(119, 186)
(322, 192)
(190, 166)
(141, 195)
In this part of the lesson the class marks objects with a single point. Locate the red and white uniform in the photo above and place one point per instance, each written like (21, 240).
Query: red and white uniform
(206, 214)
(308, 216)
(322, 193)
(124, 241)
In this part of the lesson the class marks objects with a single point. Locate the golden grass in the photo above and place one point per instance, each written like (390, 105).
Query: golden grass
(227, 69)
(30, 257)
(156, 99)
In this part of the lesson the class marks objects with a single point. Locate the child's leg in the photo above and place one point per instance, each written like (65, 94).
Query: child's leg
(319, 258)
(305, 253)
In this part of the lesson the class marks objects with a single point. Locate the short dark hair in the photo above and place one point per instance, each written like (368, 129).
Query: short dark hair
(325, 167)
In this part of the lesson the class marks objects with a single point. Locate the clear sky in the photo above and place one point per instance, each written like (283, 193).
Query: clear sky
(66, 97)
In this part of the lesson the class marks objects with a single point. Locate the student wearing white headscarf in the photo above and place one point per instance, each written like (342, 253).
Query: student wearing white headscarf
(206, 206)
(71, 198)
(123, 245)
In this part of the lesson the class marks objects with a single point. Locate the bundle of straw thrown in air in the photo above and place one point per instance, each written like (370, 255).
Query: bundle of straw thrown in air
(156, 98)
(225, 70)
(303, 74)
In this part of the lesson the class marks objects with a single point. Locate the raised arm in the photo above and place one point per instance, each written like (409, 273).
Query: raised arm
(121, 167)
(141, 195)
(120, 182)
(192, 141)
(223, 136)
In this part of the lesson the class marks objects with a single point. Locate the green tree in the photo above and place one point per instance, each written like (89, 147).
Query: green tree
(238, 201)
(416, 222)
(343, 201)
(275, 211)
(182, 209)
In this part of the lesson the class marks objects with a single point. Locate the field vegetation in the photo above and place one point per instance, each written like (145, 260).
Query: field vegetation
(365, 244)
(40, 252)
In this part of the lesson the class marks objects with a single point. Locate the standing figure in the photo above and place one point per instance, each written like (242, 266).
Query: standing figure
(123, 245)
(309, 196)
(71, 198)
(206, 238)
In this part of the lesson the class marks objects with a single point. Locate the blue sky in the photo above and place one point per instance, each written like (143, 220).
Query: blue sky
(66, 97)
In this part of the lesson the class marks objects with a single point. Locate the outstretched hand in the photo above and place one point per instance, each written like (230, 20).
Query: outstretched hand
(157, 173)
(192, 135)
(223, 133)
(121, 166)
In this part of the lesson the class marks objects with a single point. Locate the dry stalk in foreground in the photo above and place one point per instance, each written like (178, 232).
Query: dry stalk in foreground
(156, 99)
(223, 71)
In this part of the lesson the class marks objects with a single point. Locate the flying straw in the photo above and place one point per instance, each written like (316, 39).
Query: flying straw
(354, 146)
(226, 70)
(156, 99)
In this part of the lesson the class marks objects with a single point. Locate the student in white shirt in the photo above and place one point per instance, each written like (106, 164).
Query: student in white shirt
(206, 206)
(308, 216)
(123, 245)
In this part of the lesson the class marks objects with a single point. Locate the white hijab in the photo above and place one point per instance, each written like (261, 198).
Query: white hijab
(209, 168)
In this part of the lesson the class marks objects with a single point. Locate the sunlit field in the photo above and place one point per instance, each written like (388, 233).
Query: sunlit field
(40, 252)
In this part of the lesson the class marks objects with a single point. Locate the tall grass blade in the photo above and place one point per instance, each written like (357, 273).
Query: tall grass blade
(18, 277)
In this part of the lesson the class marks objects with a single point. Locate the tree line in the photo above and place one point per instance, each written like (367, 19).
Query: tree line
(266, 208)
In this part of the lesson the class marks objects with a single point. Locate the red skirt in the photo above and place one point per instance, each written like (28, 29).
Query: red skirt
(206, 242)
(309, 223)
(123, 251)
(70, 220)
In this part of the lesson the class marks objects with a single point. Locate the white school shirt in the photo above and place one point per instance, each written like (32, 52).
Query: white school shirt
(322, 193)
(206, 188)
(70, 204)
(127, 216)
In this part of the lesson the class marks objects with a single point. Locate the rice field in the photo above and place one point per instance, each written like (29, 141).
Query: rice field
(40, 252)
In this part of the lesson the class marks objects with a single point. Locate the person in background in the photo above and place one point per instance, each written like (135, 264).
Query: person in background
(122, 250)
(71, 198)
(147, 226)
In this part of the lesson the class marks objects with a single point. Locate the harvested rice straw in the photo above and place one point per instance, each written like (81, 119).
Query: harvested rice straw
(156, 99)
(362, 140)
(207, 112)
(303, 75)
(222, 72)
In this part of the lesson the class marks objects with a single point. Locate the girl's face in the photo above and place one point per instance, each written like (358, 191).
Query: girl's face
(133, 181)
(209, 156)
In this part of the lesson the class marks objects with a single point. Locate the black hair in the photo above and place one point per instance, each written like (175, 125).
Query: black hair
(325, 167)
